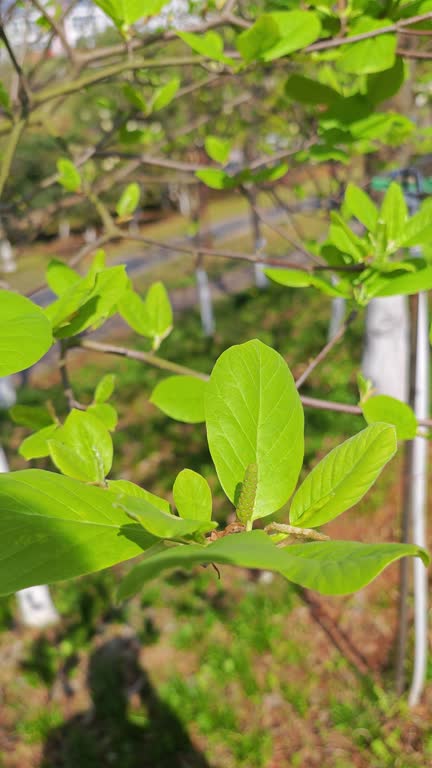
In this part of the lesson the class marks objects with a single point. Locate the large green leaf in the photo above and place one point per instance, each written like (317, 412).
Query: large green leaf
(391, 411)
(25, 333)
(218, 149)
(384, 85)
(60, 277)
(82, 448)
(418, 229)
(297, 29)
(259, 38)
(192, 496)
(368, 56)
(152, 317)
(36, 446)
(254, 416)
(342, 478)
(89, 302)
(126, 12)
(181, 397)
(131, 489)
(406, 284)
(210, 45)
(361, 206)
(161, 524)
(296, 278)
(333, 568)
(54, 528)
(308, 91)
(394, 213)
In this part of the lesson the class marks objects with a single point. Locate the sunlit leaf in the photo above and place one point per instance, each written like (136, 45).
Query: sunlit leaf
(342, 478)
(181, 397)
(254, 416)
(391, 411)
(54, 528)
(192, 496)
(332, 568)
(25, 333)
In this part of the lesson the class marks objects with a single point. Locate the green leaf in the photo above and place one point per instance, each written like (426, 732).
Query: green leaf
(418, 229)
(297, 29)
(161, 524)
(25, 333)
(129, 201)
(345, 239)
(215, 178)
(361, 206)
(394, 213)
(32, 416)
(60, 277)
(254, 416)
(296, 278)
(105, 388)
(306, 91)
(333, 568)
(159, 313)
(135, 97)
(69, 175)
(368, 56)
(126, 12)
(36, 446)
(406, 284)
(120, 487)
(181, 398)
(386, 84)
(53, 528)
(106, 413)
(342, 478)
(164, 95)
(259, 38)
(209, 45)
(89, 303)
(192, 496)
(82, 448)
(218, 149)
(391, 411)
(152, 317)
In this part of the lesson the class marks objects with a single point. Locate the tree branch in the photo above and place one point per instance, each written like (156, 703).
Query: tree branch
(325, 350)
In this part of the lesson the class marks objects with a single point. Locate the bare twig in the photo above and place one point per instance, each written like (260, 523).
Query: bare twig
(143, 357)
(325, 350)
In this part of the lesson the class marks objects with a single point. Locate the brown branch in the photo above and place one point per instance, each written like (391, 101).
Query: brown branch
(339, 638)
(143, 357)
(336, 42)
(24, 92)
(66, 384)
(413, 54)
(325, 350)
(57, 29)
(168, 365)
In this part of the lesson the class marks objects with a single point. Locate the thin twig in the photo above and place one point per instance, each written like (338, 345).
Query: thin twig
(325, 350)
(24, 92)
(143, 357)
(66, 383)
(168, 365)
